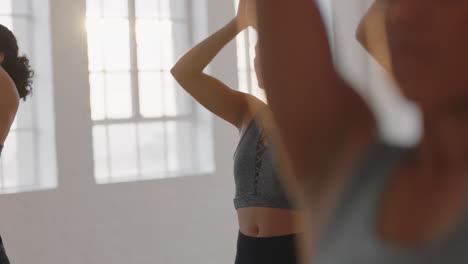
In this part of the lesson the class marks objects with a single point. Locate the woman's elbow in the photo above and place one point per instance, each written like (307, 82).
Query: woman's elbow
(177, 73)
(183, 76)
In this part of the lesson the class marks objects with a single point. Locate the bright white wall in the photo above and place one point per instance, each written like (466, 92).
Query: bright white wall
(181, 220)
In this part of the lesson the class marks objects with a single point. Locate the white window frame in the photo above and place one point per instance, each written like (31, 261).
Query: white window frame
(35, 169)
(197, 118)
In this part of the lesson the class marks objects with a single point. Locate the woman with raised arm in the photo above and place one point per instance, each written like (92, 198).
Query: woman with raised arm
(15, 83)
(268, 222)
(384, 204)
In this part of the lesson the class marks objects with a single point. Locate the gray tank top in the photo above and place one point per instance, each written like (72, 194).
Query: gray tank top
(351, 236)
(255, 176)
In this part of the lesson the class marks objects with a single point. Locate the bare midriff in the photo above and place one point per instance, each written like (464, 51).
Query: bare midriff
(269, 222)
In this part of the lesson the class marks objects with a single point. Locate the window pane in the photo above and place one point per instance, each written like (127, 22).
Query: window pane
(95, 45)
(257, 91)
(25, 146)
(165, 9)
(164, 96)
(241, 52)
(6, 7)
(93, 8)
(151, 94)
(98, 96)
(25, 118)
(246, 54)
(148, 32)
(10, 168)
(170, 101)
(115, 8)
(149, 57)
(20, 150)
(184, 101)
(6, 21)
(21, 7)
(251, 57)
(252, 37)
(179, 9)
(146, 8)
(22, 33)
(180, 40)
(101, 154)
(152, 149)
(116, 44)
(123, 150)
(244, 83)
(158, 95)
(168, 58)
(253, 81)
(162, 9)
(160, 43)
(14, 125)
(118, 95)
(173, 161)
(149, 44)
(180, 146)
(109, 46)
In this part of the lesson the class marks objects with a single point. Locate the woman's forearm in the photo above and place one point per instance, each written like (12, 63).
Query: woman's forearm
(196, 59)
(213, 94)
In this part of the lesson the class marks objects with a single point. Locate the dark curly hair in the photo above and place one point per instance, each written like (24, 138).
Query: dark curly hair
(16, 66)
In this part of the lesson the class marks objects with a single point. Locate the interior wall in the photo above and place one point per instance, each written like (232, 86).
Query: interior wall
(180, 220)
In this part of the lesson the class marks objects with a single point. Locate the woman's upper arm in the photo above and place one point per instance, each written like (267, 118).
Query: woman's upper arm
(230, 105)
(318, 114)
(9, 102)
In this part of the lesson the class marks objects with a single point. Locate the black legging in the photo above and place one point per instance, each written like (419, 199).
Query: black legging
(3, 256)
(266, 250)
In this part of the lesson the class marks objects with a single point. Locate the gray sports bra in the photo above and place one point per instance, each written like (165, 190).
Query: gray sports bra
(255, 176)
(351, 235)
